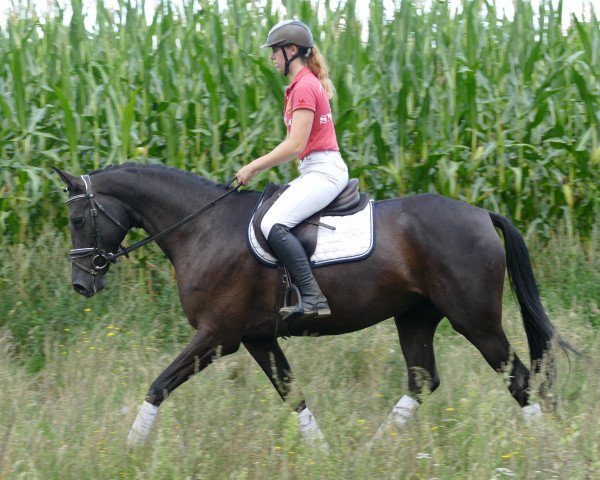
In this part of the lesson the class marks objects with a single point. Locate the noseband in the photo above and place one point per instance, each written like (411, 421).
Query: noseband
(101, 258)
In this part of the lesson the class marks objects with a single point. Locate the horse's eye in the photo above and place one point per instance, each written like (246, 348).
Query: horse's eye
(77, 222)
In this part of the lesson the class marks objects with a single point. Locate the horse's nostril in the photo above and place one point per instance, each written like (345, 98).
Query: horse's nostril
(81, 290)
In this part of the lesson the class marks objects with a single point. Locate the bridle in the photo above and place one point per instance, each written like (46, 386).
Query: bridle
(101, 258)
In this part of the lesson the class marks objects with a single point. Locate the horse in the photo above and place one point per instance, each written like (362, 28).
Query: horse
(433, 258)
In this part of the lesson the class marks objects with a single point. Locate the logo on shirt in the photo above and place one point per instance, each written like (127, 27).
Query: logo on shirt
(326, 118)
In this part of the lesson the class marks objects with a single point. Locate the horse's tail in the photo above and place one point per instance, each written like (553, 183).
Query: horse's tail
(540, 331)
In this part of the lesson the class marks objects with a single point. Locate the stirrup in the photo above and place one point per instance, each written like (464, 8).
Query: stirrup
(294, 312)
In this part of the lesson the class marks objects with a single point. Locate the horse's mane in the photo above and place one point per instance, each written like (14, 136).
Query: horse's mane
(160, 167)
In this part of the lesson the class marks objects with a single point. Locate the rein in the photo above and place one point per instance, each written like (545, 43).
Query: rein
(101, 258)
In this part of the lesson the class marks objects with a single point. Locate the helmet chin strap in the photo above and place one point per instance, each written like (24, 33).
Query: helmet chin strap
(288, 61)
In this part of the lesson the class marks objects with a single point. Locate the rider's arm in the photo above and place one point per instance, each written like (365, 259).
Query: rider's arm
(291, 147)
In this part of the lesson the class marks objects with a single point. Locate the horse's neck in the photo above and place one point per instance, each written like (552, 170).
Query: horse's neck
(158, 198)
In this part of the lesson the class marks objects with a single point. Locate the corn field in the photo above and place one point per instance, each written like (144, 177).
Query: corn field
(504, 114)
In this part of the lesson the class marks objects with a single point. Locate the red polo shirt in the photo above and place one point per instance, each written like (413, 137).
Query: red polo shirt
(307, 92)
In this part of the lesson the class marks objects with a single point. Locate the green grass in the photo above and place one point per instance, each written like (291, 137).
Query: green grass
(70, 421)
(94, 360)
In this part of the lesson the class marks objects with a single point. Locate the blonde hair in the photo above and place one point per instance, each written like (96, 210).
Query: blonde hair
(316, 64)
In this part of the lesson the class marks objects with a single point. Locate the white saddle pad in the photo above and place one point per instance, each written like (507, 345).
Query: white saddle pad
(352, 239)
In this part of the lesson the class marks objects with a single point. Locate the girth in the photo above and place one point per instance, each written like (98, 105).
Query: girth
(348, 202)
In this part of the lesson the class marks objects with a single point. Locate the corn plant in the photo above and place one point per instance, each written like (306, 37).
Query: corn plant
(500, 113)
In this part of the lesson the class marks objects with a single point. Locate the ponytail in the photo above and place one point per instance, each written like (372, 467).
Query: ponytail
(316, 64)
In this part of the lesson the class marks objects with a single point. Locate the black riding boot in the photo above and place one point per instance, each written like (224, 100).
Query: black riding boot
(290, 252)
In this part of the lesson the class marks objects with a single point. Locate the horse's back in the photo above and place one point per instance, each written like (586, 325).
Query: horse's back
(434, 217)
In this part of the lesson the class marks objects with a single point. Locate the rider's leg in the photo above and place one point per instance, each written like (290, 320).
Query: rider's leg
(323, 177)
(291, 253)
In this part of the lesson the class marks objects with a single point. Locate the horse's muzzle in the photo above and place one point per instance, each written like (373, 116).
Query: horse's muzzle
(87, 285)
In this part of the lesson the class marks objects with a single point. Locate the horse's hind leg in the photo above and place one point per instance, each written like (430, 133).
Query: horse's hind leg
(481, 324)
(272, 360)
(491, 341)
(415, 330)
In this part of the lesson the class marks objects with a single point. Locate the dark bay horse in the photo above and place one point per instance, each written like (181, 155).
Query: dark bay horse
(434, 258)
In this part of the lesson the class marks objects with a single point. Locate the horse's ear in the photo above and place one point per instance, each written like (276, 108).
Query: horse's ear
(69, 180)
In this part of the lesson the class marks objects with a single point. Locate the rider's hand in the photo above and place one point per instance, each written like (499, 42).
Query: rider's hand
(245, 174)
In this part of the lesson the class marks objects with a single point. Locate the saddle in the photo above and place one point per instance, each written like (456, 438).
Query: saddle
(348, 202)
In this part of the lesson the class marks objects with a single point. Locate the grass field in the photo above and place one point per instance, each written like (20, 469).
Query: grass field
(96, 358)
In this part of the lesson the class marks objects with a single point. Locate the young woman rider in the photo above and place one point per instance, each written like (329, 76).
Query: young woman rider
(311, 138)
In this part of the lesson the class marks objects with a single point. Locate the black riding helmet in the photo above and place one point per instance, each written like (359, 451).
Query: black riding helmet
(290, 32)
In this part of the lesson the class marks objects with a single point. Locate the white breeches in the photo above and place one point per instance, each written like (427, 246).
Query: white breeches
(323, 175)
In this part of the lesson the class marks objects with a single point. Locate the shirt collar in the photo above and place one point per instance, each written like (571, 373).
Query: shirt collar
(300, 74)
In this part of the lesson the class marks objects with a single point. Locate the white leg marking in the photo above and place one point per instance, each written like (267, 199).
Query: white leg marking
(142, 425)
(532, 413)
(309, 428)
(404, 410)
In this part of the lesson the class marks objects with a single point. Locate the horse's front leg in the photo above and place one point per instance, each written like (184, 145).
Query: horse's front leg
(198, 354)
(272, 360)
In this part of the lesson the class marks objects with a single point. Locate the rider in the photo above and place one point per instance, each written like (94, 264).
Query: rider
(311, 138)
